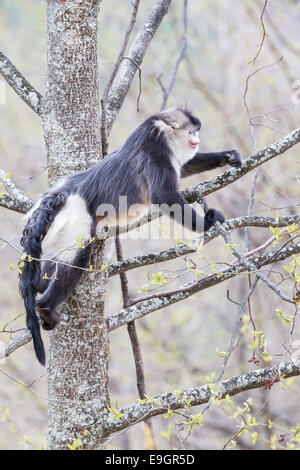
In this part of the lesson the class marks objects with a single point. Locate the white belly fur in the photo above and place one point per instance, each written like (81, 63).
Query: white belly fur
(71, 224)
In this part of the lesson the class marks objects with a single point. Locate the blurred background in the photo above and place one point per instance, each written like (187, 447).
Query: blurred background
(181, 344)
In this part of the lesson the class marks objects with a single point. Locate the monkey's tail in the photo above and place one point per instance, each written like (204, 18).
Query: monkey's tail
(29, 267)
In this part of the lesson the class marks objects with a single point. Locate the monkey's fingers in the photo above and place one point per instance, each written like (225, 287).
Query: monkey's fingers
(212, 216)
(234, 158)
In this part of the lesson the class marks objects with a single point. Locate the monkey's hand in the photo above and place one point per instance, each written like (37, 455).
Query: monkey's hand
(212, 216)
(232, 158)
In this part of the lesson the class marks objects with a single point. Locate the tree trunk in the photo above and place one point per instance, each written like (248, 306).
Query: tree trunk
(78, 356)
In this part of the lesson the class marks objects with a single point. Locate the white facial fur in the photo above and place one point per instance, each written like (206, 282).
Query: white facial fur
(182, 136)
(71, 224)
(180, 142)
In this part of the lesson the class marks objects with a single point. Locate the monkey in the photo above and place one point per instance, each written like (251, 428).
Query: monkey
(147, 170)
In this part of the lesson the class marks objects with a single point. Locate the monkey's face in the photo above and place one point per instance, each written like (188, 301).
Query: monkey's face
(194, 140)
(181, 130)
(185, 141)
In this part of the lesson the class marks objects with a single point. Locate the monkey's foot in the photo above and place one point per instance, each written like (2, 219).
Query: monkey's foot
(49, 320)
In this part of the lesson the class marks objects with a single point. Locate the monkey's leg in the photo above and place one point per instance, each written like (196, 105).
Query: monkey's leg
(208, 161)
(48, 270)
(65, 278)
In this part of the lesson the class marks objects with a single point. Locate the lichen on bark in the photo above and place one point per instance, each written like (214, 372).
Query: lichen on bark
(78, 355)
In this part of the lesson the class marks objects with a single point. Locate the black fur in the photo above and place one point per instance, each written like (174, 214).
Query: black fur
(212, 216)
(144, 165)
(61, 286)
(208, 161)
(31, 241)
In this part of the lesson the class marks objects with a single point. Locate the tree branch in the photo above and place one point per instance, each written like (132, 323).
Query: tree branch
(136, 347)
(195, 193)
(264, 34)
(259, 158)
(157, 301)
(252, 267)
(187, 248)
(17, 200)
(15, 343)
(136, 54)
(149, 442)
(198, 396)
(183, 44)
(104, 137)
(19, 84)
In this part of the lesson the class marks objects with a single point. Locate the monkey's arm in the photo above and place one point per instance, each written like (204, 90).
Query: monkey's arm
(173, 204)
(207, 161)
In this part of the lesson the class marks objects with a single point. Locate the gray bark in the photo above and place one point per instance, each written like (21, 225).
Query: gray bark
(71, 106)
(19, 84)
(136, 54)
(157, 301)
(78, 396)
(117, 320)
(196, 193)
(16, 199)
(199, 395)
(78, 356)
(187, 248)
(259, 158)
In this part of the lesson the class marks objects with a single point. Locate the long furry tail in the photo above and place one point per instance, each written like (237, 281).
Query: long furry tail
(30, 269)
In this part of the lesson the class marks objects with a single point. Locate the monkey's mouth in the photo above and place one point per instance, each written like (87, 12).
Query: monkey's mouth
(193, 144)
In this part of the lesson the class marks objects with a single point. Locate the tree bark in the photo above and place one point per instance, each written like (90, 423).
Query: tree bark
(78, 355)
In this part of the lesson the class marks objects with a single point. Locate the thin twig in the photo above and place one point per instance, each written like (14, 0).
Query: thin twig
(249, 265)
(254, 73)
(234, 335)
(187, 248)
(116, 66)
(256, 173)
(24, 384)
(149, 442)
(137, 53)
(136, 413)
(152, 303)
(140, 82)
(263, 33)
(145, 305)
(183, 44)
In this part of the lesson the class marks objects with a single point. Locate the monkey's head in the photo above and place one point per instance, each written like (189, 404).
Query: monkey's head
(181, 129)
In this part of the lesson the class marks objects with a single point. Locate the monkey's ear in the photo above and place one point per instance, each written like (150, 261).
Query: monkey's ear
(165, 124)
(174, 125)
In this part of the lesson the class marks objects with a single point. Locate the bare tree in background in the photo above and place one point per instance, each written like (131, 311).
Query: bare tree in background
(75, 136)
